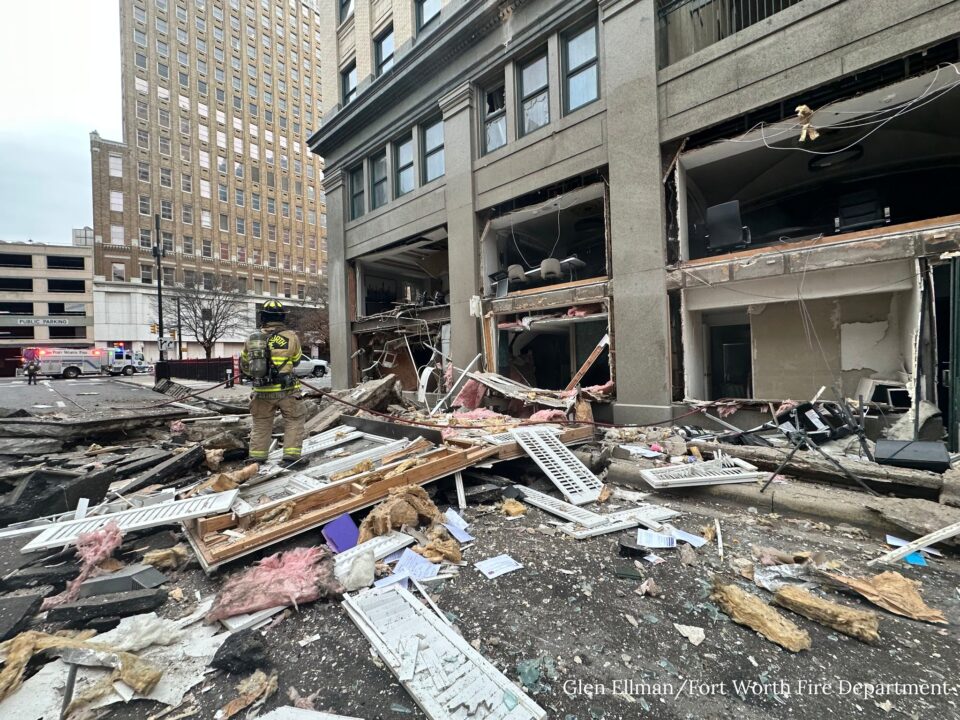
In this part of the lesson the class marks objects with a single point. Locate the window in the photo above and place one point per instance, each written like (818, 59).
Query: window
(238, 170)
(188, 244)
(116, 234)
(146, 238)
(139, 14)
(118, 272)
(184, 126)
(239, 197)
(116, 165)
(272, 262)
(186, 183)
(273, 285)
(207, 248)
(348, 83)
(403, 162)
(427, 10)
(580, 68)
(146, 274)
(168, 275)
(144, 204)
(139, 37)
(534, 95)
(166, 177)
(256, 229)
(165, 146)
(495, 119)
(143, 171)
(255, 201)
(206, 220)
(167, 240)
(183, 79)
(432, 140)
(143, 86)
(166, 209)
(384, 51)
(346, 9)
(272, 205)
(222, 192)
(258, 286)
(208, 282)
(242, 284)
(163, 70)
(224, 222)
(143, 139)
(116, 201)
(185, 152)
(141, 60)
(187, 214)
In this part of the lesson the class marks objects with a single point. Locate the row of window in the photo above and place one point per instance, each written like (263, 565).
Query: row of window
(146, 240)
(580, 72)
(427, 11)
(118, 273)
(401, 153)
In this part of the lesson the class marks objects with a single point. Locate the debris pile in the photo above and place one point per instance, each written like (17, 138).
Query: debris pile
(161, 559)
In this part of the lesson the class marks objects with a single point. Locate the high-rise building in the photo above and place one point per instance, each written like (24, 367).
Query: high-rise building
(218, 99)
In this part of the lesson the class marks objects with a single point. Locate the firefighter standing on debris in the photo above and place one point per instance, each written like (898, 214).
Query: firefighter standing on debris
(268, 359)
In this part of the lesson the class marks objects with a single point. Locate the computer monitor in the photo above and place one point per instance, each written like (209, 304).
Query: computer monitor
(724, 228)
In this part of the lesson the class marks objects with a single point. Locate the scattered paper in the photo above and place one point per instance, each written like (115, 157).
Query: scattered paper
(650, 539)
(459, 534)
(641, 451)
(415, 566)
(397, 578)
(496, 566)
(452, 518)
(692, 633)
(653, 559)
(900, 542)
(393, 557)
(686, 537)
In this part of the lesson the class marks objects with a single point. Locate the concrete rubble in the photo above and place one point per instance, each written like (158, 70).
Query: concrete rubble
(495, 556)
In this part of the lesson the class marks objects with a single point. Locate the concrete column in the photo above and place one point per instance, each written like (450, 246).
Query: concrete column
(641, 309)
(341, 343)
(459, 141)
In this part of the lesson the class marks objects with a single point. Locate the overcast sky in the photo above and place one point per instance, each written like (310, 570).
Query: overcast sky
(59, 79)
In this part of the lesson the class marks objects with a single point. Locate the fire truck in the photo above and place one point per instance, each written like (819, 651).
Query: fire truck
(68, 362)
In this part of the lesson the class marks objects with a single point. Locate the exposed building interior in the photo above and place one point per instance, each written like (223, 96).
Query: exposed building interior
(402, 313)
(561, 240)
(886, 157)
(765, 313)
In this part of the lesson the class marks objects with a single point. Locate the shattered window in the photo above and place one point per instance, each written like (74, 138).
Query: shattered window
(534, 95)
(495, 120)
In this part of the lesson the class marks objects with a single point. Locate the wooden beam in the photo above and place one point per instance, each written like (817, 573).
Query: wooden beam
(588, 363)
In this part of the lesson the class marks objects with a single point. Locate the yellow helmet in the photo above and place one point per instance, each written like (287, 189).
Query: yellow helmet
(273, 311)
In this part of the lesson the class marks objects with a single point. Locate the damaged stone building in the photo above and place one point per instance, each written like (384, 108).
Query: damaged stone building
(709, 198)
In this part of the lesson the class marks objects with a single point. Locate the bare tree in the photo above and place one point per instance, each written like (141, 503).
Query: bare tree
(312, 324)
(209, 310)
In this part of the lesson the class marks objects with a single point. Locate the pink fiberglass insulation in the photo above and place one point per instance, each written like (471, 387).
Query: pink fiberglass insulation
(548, 416)
(604, 389)
(470, 395)
(93, 548)
(295, 577)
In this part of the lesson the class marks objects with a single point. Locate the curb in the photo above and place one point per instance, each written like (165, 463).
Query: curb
(814, 501)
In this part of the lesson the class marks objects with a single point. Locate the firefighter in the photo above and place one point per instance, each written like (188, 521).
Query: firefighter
(268, 359)
(32, 368)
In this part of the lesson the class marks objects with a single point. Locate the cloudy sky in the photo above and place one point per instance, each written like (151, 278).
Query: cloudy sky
(59, 79)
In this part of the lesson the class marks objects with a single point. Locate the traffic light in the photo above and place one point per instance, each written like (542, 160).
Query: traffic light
(153, 329)
(173, 334)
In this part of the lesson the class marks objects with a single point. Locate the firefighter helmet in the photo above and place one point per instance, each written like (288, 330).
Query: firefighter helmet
(273, 311)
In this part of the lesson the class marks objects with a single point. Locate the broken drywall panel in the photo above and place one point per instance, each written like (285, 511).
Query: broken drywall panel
(869, 346)
(795, 352)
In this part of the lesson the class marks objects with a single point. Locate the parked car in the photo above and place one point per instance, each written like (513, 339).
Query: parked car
(311, 366)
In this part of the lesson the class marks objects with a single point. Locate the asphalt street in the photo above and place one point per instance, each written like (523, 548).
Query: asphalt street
(72, 397)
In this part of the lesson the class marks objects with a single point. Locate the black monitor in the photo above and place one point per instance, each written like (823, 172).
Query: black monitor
(724, 228)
